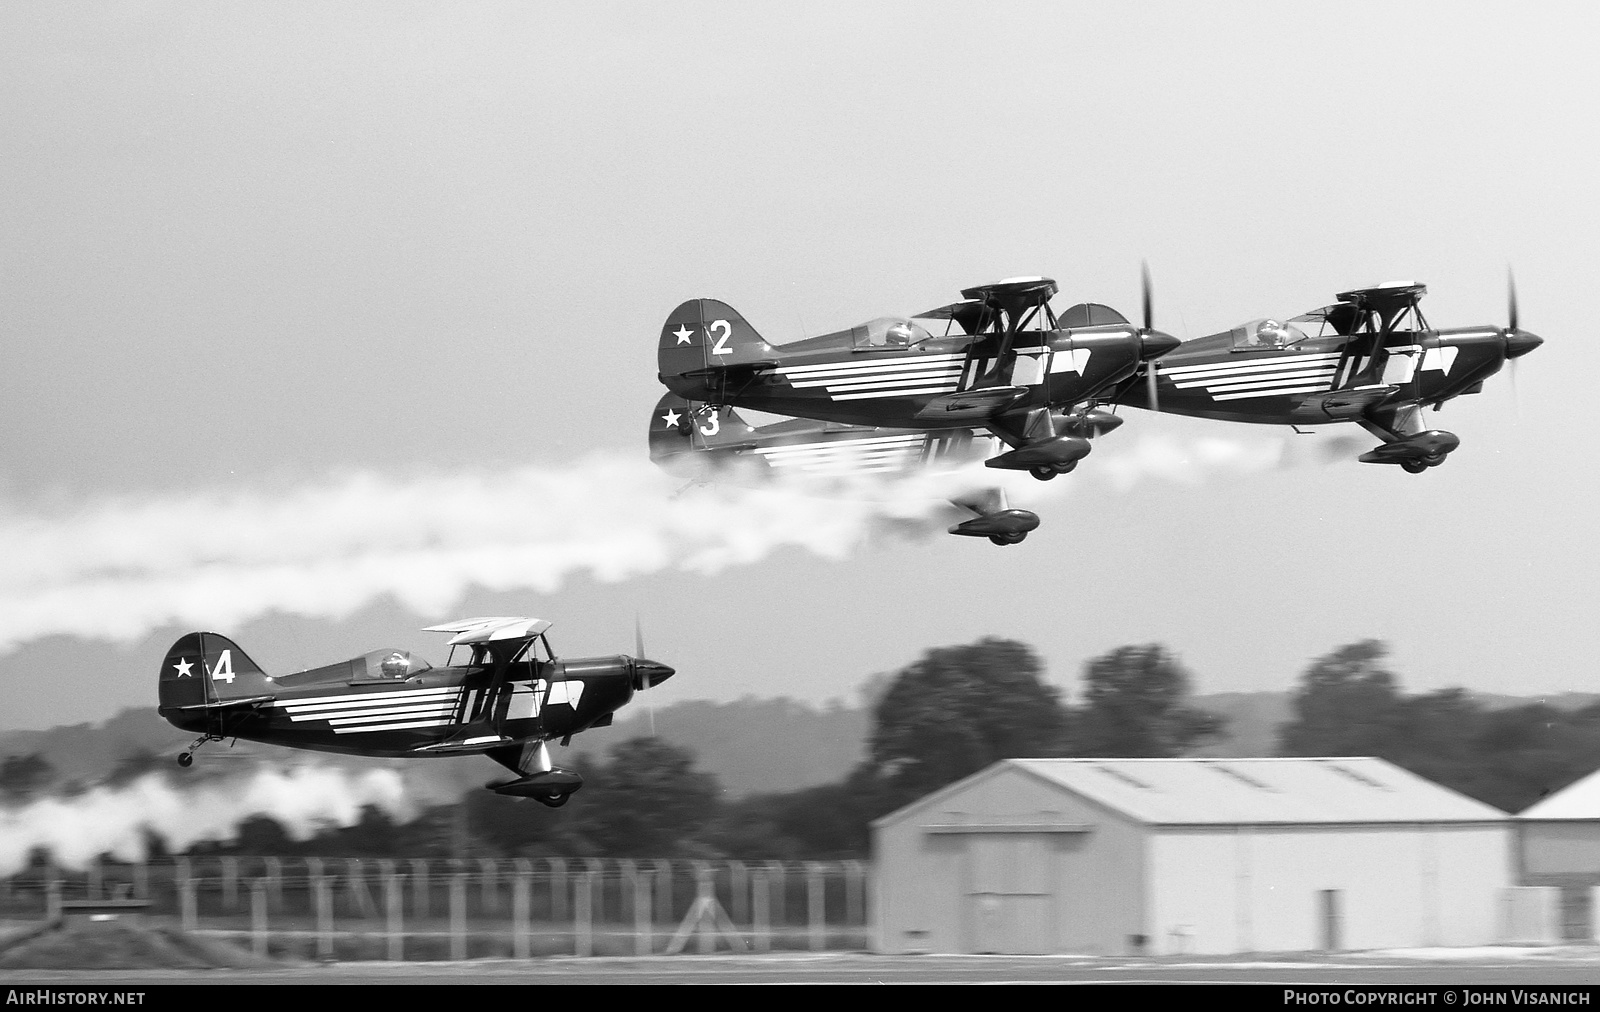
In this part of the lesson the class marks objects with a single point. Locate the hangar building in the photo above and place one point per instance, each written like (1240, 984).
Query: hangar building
(1558, 846)
(1158, 856)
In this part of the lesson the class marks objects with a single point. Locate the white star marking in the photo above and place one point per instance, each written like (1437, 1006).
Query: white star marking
(671, 418)
(683, 334)
(182, 668)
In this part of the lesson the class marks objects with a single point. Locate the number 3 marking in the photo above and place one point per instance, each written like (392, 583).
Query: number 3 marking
(713, 424)
(721, 347)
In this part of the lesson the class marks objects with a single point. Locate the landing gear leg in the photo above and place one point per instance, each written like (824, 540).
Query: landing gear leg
(186, 759)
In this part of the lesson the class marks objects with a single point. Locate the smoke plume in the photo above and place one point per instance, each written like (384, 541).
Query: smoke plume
(118, 569)
(114, 820)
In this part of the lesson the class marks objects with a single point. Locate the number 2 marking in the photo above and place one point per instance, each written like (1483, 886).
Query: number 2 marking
(721, 347)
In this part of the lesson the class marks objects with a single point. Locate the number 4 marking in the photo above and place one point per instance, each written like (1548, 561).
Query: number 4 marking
(223, 672)
(721, 347)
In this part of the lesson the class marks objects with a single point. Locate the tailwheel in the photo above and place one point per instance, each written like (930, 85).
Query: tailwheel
(185, 759)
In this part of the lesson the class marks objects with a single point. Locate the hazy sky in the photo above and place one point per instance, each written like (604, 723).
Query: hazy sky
(324, 322)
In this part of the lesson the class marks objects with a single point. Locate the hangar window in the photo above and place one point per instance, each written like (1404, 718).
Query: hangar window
(1242, 777)
(1357, 776)
(1125, 778)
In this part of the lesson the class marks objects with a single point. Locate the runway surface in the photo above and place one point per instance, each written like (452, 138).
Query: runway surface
(1443, 968)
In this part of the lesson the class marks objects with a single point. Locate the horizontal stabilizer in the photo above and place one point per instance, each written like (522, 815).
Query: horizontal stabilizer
(225, 704)
(970, 405)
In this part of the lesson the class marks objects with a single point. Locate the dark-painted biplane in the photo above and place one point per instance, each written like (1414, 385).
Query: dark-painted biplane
(703, 443)
(502, 693)
(1370, 358)
(1005, 366)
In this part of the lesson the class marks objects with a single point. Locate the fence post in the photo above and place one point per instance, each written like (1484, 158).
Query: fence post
(639, 889)
(52, 898)
(93, 879)
(186, 899)
(356, 886)
(855, 894)
(816, 906)
(395, 925)
(419, 887)
(739, 891)
(458, 915)
(141, 878)
(258, 917)
(521, 901)
(664, 908)
(275, 882)
(583, 917)
(489, 868)
(780, 908)
(324, 901)
(760, 914)
(230, 884)
(558, 889)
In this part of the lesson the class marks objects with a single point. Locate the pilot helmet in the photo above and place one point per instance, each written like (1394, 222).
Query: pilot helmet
(900, 333)
(1271, 332)
(395, 665)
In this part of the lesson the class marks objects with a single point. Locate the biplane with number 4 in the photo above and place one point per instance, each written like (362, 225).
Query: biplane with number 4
(502, 693)
(1006, 367)
(1370, 358)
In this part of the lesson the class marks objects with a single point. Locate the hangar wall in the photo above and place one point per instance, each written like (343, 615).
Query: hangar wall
(1005, 862)
(1271, 888)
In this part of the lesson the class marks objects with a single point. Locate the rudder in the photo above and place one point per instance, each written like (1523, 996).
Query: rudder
(706, 334)
(206, 667)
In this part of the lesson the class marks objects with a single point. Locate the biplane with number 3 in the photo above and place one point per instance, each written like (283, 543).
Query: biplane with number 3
(1006, 368)
(502, 693)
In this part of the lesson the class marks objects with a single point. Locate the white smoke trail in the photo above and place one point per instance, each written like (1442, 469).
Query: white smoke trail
(113, 820)
(119, 569)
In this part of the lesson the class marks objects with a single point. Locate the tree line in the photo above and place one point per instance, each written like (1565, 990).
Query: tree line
(953, 712)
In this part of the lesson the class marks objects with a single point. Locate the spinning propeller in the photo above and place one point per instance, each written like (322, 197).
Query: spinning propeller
(1518, 341)
(1152, 342)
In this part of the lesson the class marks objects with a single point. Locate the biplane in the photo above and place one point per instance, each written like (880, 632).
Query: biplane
(702, 443)
(502, 693)
(1005, 366)
(1370, 358)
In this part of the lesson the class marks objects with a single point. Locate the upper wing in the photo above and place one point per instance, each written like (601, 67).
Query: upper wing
(485, 630)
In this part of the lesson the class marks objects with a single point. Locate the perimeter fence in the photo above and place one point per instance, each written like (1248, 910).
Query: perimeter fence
(424, 909)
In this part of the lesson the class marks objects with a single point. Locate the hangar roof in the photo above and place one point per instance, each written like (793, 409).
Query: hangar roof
(1287, 791)
(1575, 801)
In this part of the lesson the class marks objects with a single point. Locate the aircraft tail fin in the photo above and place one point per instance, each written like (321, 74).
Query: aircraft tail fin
(208, 668)
(704, 334)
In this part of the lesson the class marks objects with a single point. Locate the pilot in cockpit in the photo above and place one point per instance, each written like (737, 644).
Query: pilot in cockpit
(1272, 334)
(395, 665)
(900, 334)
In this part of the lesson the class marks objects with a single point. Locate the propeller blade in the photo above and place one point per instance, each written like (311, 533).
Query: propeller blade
(638, 636)
(1511, 299)
(1144, 290)
(1150, 385)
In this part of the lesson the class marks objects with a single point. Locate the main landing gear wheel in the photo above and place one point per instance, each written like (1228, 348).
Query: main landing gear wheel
(1042, 473)
(552, 800)
(1007, 539)
(1414, 466)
